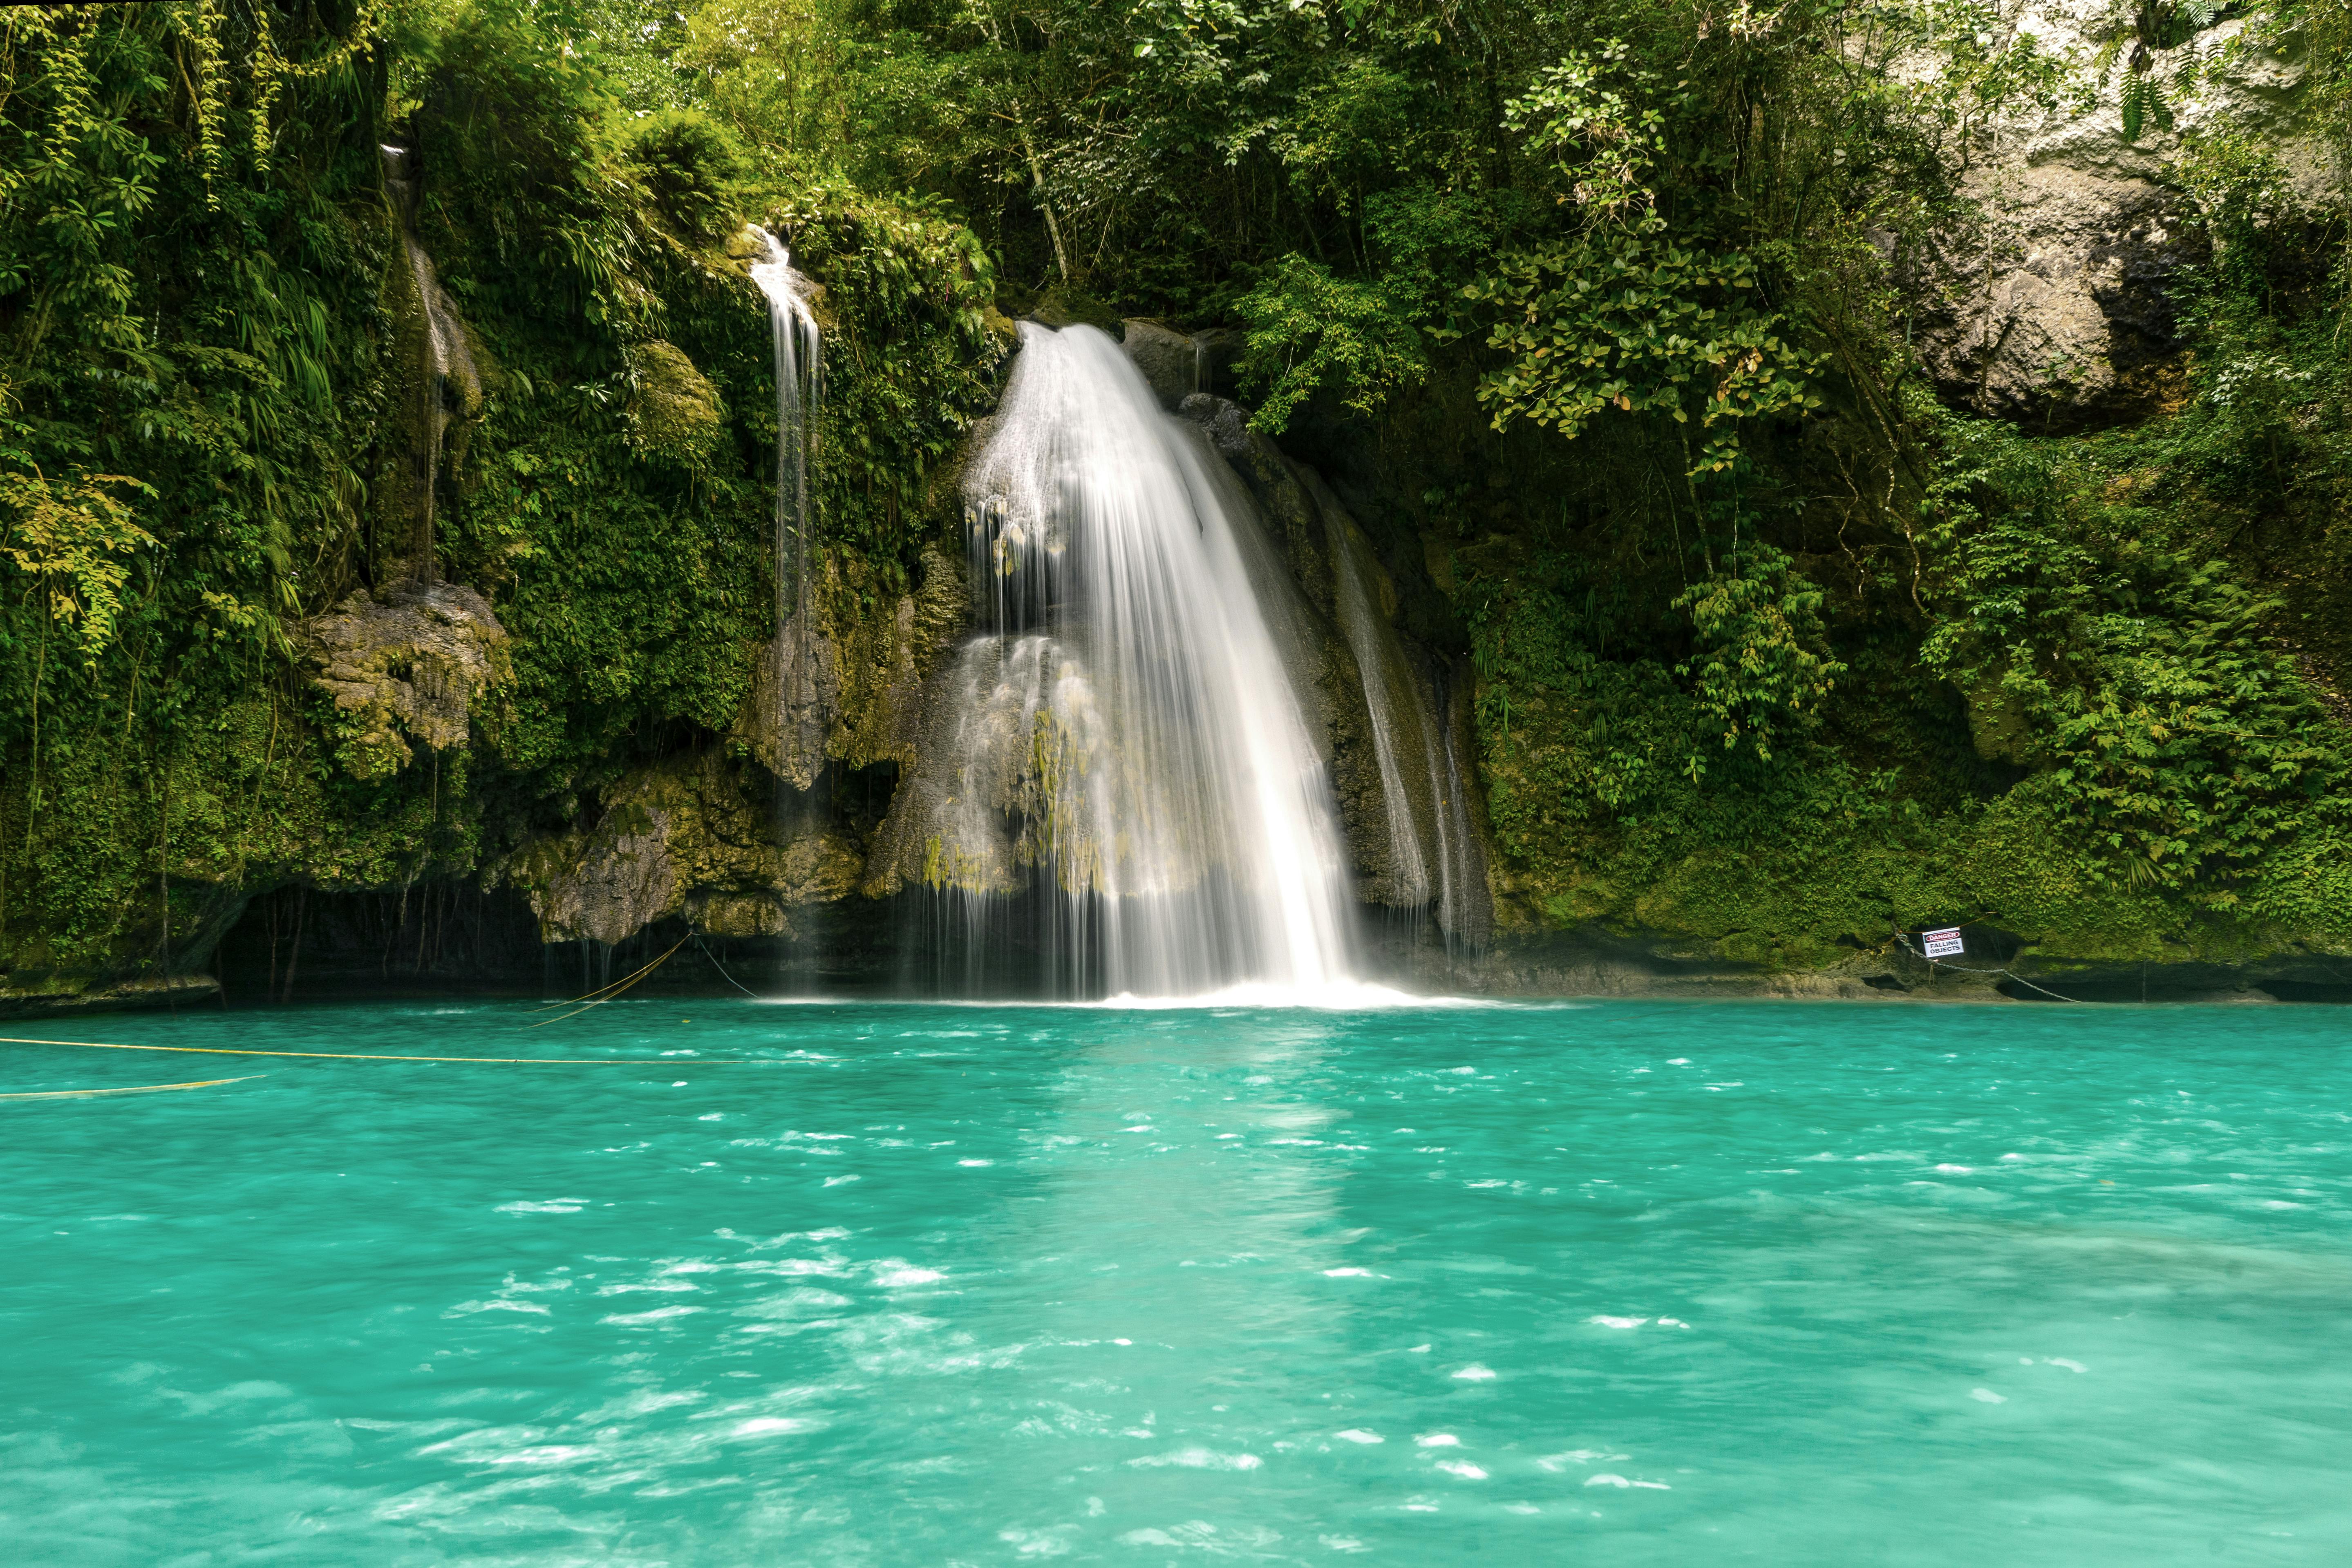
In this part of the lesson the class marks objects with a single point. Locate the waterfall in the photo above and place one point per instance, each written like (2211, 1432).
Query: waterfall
(1119, 759)
(799, 393)
(449, 385)
(1437, 862)
(795, 695)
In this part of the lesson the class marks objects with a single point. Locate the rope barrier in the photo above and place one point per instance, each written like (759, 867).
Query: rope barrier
(348, 1055)
(1932, 963)
(722, 970)
(599, 996)
(141, 1089)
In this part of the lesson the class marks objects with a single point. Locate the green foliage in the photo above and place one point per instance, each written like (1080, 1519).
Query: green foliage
(1771, 651)
(688, 166)
(2177, 739)
(1309, 330)
(673, 414)
(71, 536)
(1759, 663)
(1637, 323)
(192, 288)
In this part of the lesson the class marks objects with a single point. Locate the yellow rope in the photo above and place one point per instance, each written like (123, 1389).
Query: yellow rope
(339, 1056)
(618, 986)
(141, 1089)
(613, 990)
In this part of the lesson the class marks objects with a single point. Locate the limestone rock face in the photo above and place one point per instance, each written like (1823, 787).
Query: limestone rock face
(688, 838)
(1167, 359)
(795, 692)
(2055, 309)
(850, 687)
(1177, 364)
(406, 664)
(2051, 304)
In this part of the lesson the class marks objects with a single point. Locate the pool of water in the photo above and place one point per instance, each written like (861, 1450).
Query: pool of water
(1632, 1284)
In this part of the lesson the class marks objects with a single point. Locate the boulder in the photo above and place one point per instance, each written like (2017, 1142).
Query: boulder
(1179, 365)
(404, 664)
(688, 838)
(2051, 303)
(1168, 360)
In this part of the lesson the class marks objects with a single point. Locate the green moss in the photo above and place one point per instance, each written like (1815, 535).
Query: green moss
(674, 413)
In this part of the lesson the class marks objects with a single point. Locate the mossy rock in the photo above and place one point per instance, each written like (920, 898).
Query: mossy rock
(674, 415)
(1065, 305)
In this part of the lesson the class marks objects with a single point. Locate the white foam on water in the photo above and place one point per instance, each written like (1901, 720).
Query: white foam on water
(1556, 1462)
(1357, 1435)
(1199, 1460)
(1329, 997)
(893, 1274)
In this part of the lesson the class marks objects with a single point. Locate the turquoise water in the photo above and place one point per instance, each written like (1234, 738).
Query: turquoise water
(1623, 1284)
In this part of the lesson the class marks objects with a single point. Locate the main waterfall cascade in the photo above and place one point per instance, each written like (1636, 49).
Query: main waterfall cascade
(1121, 743)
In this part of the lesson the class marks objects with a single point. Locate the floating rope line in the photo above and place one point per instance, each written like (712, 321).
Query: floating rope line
(349, 1055)
(141, 1089)
(1961, 968)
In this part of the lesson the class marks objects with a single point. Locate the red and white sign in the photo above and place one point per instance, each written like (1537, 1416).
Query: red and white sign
(1945, 943)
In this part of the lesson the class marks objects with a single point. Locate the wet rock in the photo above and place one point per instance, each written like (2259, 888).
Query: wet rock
(688, 838)
(440, 375)
(1219, 352)
(795, 692)
(1062, 305)
(1168, 359)
(406, 664)
(849, 686)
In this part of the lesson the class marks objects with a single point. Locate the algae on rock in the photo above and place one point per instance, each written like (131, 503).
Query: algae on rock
(410, 663)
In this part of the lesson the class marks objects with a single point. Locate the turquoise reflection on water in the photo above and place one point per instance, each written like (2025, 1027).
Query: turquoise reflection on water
(1631, 1283)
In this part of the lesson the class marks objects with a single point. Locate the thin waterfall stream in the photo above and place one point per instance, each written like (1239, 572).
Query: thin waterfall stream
(800, 394)
(1121, 783)
(447, 384)
(800, 398)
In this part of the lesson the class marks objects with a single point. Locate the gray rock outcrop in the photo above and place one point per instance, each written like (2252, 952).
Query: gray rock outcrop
(686, 837)
(2053, 303)
(406, 664)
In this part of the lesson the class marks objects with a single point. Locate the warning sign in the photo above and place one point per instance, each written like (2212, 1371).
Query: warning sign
(1945, 943)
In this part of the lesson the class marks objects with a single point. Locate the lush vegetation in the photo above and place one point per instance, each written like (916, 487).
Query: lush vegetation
(1595, 309)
